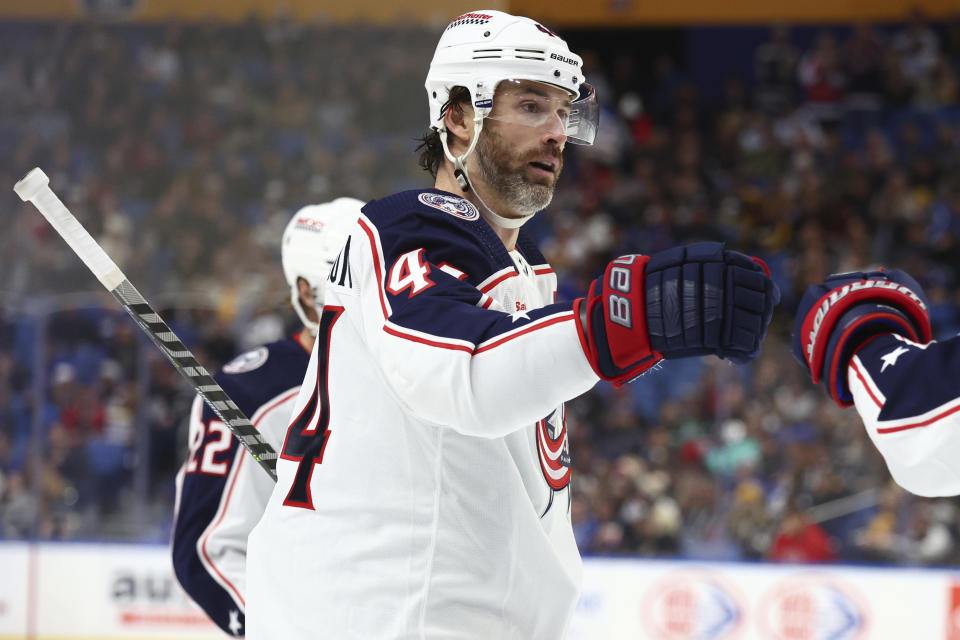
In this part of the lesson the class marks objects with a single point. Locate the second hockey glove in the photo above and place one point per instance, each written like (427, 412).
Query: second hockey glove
(687, 301)
(836, 318)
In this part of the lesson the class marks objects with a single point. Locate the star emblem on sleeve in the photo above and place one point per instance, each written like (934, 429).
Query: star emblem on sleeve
(235, 625)
(519, 315)
(891, 358)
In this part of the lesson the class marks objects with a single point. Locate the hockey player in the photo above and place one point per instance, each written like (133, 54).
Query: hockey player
(221, 492)
(424, 484)
(867, 335)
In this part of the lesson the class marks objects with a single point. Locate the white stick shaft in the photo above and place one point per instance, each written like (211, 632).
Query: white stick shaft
(35, 188)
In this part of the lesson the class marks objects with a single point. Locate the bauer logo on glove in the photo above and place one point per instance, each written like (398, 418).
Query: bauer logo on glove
(687, 301)
(620, 281)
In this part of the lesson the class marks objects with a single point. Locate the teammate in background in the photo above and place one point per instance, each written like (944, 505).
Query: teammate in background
(867, 335)
(423, 486)
(221, 492)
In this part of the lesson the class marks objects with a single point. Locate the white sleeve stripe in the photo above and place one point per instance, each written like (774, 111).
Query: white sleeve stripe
(541, 323)
(497, 278)
(452, 270)
(871, 388)
(427, 338)
(918, 345)
(903, 424)
(239, 458)
(378, 261)
(468, 347)
(923, 420)
(266, 408)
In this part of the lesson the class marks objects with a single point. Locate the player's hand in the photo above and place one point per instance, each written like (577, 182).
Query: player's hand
(836, 318)
(687, 301)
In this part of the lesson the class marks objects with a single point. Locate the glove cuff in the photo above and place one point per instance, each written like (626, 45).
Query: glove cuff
(835, 303)
(857, 326)
(611, 322)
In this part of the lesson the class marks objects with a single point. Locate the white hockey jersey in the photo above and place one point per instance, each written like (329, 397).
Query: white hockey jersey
(424, 482)
(221, 491)
(908, 395)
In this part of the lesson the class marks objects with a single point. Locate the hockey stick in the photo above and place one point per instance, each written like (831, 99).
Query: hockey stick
(34, 187)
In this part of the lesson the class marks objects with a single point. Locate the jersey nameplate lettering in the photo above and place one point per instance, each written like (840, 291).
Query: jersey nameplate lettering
(340, 271)
(247, 361)
(453, 205)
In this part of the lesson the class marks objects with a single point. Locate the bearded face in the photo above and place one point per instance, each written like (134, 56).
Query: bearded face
(522, 175)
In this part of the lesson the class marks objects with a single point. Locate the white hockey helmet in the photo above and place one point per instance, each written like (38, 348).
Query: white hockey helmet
(483, 48)
(311, 242)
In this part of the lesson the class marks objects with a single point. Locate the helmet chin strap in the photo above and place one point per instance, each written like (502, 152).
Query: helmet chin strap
(463, 178)
(311, 326)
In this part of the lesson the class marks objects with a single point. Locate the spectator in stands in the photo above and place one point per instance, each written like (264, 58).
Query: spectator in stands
(799, 539)
(862, 61)
(823, 79)
(775, 64)
(927, 540)
(878, 540)
(19, 509)
(918, 48)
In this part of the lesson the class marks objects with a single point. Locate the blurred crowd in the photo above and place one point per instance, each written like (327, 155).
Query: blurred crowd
(185, 148)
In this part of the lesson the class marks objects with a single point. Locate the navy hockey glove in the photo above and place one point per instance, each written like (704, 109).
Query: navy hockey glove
(686, 301)
(836, 318)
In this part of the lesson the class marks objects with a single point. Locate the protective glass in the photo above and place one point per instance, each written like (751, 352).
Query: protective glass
(537, 105)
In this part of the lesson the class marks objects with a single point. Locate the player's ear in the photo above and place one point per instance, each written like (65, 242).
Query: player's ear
(458, 119)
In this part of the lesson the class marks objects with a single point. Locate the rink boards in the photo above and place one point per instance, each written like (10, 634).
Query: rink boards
(115, 591)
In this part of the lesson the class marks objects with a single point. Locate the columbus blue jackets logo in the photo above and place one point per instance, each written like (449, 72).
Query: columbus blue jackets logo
(453, 205)
(553, 449)
(247, 361)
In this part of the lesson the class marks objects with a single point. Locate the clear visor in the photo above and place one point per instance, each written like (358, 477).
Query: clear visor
(544, 106)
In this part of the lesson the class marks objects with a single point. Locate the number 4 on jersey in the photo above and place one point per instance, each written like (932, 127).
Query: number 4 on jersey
(308, 434)
(409, 272)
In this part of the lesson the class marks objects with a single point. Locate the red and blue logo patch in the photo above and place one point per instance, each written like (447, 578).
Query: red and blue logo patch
(247, 361)
(454, 205)
(553, 449)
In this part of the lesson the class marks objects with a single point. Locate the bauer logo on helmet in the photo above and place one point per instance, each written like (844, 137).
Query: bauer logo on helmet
(554, 56)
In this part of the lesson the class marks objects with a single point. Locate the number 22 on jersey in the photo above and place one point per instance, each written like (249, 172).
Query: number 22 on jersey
(308, 433)
(204, 456)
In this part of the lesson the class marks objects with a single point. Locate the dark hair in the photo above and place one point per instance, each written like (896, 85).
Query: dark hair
(430, 147)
